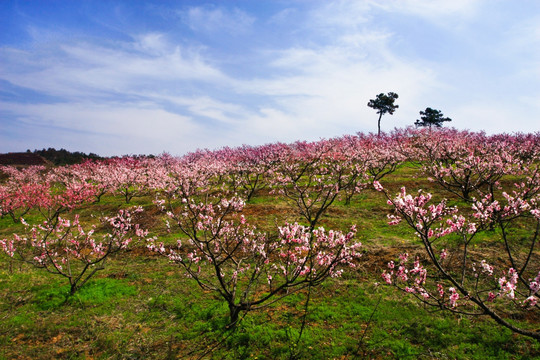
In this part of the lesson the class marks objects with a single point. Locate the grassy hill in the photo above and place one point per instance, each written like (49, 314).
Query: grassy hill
(143, 307)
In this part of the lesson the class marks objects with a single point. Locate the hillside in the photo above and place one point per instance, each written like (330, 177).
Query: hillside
(347, 248)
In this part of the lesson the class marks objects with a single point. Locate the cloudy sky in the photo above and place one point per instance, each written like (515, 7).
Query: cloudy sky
(141, 77)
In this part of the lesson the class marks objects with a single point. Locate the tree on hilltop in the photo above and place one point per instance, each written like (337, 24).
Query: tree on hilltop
(431, 117)
(383, 104)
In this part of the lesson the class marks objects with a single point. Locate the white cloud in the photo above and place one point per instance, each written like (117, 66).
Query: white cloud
(158, 92)
(434, 9)
(317, 90)
(212, 19)
(332, 17)
(152, 43)
(491, 117)
(340, 14)
(521, 42)
(324, 88)
(134, 128)
(281, 17)
(74, 70)
(205, 106)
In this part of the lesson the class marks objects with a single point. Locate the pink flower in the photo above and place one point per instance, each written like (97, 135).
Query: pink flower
(440, 289)
(535, 285)
(8, 247)
(387, 277)
(488, 269)
(394, 220)
(509, 286)
(402, 273)
(403, 257)
(454, 297)
(444, 254)
(530, 301)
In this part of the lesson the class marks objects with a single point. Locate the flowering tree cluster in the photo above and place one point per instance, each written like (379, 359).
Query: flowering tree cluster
(64, 247)
(464, 163)
(34, 188)
(380, 155)
(22, 191)
(223, 253)
(250, 269)
(312, 175)
(203, 195)
(461, 279)
(468, 164)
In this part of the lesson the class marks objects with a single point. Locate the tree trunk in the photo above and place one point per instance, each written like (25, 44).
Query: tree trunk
(379, 125)
(234, 312)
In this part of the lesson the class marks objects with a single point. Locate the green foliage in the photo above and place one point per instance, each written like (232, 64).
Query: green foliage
(384, 103)
(431, 117)
(65, 157)
(99, 291)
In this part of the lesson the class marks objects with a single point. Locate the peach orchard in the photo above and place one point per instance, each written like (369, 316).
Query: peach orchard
(486, 186)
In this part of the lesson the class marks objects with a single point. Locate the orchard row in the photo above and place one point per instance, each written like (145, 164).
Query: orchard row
(493, 179)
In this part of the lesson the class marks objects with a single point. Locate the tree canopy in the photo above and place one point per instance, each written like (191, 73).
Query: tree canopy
(65, 157)
(431, 117)
(383, 103)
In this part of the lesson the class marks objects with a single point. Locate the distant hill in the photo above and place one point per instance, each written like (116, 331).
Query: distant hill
(22, 159)
(64, 157)
(48, 156)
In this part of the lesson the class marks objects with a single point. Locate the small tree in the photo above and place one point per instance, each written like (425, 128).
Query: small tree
(431, 117)
(458, 279)
(247, 268)
(63, 247)
(383, 104)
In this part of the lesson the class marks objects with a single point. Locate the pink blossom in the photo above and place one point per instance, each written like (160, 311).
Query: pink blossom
(454, 297)
(530, 301)
(535, 284)
(387, 277)
(509, 286)
(444, 254)
(394, 220)
(440, 289)
(486, 268)
(403, 257)
(8, 247)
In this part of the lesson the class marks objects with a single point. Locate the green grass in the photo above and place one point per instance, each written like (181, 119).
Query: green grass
(152, 311)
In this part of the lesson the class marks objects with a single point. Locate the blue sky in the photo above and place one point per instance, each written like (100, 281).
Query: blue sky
(141, 77)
